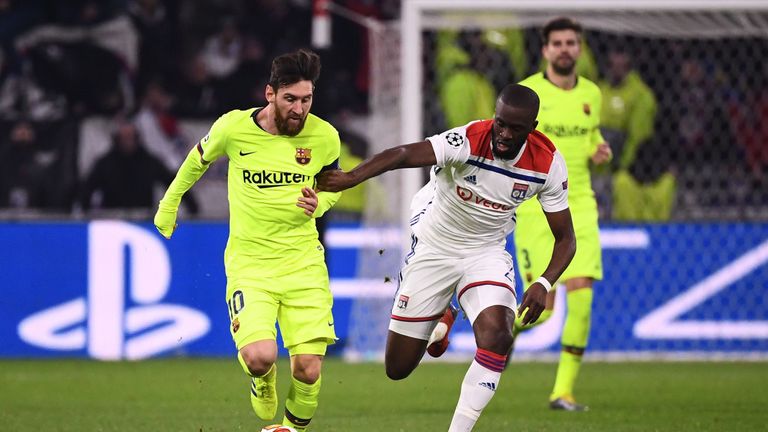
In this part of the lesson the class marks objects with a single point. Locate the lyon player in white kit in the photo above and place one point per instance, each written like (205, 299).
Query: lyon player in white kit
(460, 222)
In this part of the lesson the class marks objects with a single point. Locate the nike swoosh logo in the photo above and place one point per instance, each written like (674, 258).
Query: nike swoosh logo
(246, 153)
(330, 324)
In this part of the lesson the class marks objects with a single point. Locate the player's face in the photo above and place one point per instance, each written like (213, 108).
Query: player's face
(511, 126)
(292, 104)
(562, 51)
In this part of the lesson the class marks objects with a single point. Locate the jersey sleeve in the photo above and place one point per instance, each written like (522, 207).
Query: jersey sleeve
(214, 144)
(596, 137)
(334, 150)
(326, 200)
(451, 147)
(554, 195)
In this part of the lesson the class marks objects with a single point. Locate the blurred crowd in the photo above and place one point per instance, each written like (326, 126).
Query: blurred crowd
(157, 72)
(101, 100)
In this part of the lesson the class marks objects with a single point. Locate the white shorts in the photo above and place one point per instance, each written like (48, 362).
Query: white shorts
(430, 278)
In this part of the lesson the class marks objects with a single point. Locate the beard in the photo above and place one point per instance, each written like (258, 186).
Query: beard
(284, 125)
(564, 69)
(513, 147)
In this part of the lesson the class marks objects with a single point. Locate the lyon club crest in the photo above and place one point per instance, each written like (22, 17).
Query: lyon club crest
(402, 302)
(519, 191)
(303, 155)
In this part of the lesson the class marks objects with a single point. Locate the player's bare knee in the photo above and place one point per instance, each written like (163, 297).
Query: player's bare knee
(258, 363)
(494, 337)
(396, 368)
(499, 342)
(397, 373)
(306, 370)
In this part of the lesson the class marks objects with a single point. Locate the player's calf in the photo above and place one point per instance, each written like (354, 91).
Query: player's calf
(402, 355)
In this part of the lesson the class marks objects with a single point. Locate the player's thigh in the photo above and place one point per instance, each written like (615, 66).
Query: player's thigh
(252, 309)
(305, 312)
(427, 282)
(588, 261)
(488, 280)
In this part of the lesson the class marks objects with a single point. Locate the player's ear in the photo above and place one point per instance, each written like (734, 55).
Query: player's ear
(270, 94)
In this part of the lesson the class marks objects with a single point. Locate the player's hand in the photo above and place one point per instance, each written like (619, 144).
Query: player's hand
(335, 181)
(165, 221)
(308, 201)
(534, 300)
(603, 154)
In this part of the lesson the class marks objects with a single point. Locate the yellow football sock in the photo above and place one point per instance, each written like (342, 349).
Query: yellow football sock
(301, 403)
(574, 341)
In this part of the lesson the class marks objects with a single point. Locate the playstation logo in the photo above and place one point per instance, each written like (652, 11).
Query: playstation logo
(122, 316)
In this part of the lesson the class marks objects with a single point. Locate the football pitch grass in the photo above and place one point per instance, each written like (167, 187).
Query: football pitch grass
(212, 395)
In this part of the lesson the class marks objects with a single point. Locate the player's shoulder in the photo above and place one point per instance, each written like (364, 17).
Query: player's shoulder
(538, 154)
(476, 129)
(534, 80)
(318, 126)
(232, 118)
(238, 114)
(541, 143)
(477, 135)
(588, 85)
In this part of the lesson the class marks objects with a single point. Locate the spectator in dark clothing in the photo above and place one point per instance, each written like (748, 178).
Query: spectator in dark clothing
(197, 95)
(35, 170)
(158, 46)
(244, 88)
(125, 177)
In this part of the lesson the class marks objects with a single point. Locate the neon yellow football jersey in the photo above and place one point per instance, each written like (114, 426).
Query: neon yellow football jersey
(268, 233)
(571, 120)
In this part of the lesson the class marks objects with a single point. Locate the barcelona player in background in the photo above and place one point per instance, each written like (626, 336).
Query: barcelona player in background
(570, 117)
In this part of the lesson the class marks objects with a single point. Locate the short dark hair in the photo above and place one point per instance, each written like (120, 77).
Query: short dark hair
(293, 67)
(562, 23)
(520, 96)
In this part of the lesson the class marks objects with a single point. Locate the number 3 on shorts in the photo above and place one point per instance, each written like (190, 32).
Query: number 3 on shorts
(526, 259)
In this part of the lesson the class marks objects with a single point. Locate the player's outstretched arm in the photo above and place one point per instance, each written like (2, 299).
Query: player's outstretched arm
(603, 154)
(405, 156)
(534, 299)
(189, 173)
(565, 243)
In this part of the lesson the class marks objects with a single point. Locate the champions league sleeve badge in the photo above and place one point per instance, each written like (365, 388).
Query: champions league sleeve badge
(454, 139)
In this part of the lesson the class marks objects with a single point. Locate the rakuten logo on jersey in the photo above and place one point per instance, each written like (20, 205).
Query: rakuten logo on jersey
(268, 179)
(469, 196)
(565, 130)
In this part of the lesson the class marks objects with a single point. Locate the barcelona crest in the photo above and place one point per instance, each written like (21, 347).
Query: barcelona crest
(303, 155)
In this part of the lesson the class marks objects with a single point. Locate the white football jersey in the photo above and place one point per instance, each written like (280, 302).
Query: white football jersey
(470, 200)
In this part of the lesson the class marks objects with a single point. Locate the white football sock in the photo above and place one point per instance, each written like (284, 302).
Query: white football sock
(477, 389)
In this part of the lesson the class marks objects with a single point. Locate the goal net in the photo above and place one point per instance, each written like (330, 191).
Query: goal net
(695, 149)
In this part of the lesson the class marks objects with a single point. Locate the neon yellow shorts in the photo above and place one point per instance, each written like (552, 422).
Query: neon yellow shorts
(300, 302)
(534, 243)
